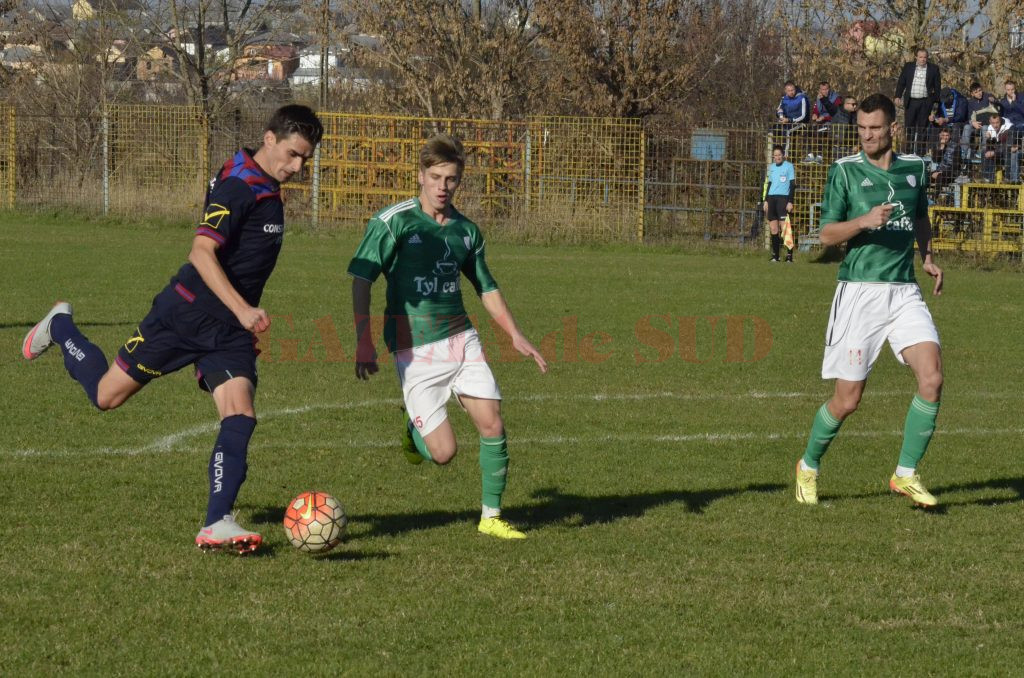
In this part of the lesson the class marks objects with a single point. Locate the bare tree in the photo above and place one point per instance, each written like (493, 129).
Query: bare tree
(450, 59)
(628, 58)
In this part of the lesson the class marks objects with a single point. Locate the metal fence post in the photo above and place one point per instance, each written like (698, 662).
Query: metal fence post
(12, 156)
(316, 187)
(642, 187)
(106, 161)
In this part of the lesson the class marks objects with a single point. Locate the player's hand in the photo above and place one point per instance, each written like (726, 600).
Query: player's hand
(253, 319)
(935, 272)
(366, 361)
(789, 207)
(522, 345)
(877, 217)
(764, 206)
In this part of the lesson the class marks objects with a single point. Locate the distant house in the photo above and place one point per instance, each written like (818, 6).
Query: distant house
(268, 56)
(85, 10)
(20, 57)
(155, 63)
(308, 72)
(213, 37)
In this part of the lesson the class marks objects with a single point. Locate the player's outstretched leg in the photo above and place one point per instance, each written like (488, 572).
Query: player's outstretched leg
(493, 475)
(227, 473)
(39, 337)
(83, 360)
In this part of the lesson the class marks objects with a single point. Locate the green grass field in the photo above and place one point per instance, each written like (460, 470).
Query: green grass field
(651, 466)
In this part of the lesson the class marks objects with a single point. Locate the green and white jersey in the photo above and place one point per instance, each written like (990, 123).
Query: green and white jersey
(422, 262)
(854, 186)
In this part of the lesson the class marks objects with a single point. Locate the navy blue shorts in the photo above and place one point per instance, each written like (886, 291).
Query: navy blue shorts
(175, 334)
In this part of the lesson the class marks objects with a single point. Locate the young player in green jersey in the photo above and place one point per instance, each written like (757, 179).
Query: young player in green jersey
(876, 203)
(423, 246)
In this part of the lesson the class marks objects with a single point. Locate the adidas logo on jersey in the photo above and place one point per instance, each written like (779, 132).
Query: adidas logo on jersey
(866, 183)
(415, 239)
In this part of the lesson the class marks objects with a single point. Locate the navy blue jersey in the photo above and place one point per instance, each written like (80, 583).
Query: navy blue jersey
(244, 215)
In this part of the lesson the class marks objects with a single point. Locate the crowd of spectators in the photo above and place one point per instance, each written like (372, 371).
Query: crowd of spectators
(972, 136)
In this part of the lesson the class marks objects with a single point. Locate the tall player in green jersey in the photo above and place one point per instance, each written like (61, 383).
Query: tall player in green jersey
(423, 246)
(876, 203)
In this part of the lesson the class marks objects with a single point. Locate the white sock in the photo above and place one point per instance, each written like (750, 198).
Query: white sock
(904, 472)
(489, 512)
(805, 467)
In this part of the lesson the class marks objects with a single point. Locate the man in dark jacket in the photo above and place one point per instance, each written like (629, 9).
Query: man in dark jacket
(918, 88)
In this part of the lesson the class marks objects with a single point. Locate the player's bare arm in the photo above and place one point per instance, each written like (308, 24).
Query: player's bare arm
(839, 232)
(204, 257)
(923, 235)
(366, 353)
(494, 303)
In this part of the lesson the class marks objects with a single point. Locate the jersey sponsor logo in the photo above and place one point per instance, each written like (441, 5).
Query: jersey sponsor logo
(444, 265)
(215, 215)
(898, 218)
(427, 286)
(415, 239)
(866, 183)
(912, 180)
(782, 178)
(273, 228)
(134, 341)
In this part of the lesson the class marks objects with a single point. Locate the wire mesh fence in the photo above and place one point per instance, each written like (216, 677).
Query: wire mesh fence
(548, 179)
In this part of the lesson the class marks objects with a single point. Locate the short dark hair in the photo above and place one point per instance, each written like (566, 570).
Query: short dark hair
(296, 119)
(825, 83)
(975, 86)
(921, 49)
(879, 102)
(441, 149)
(778, 147)
(1010, 82)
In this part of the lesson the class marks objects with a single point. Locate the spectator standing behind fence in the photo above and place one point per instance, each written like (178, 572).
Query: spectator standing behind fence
(844, 127)
(918, 89)
(1012, 106)
(779, 186)
(793, 111)
(1000, 148)
(951, 113)
(827, 105)
(945, 161)
(979, 107)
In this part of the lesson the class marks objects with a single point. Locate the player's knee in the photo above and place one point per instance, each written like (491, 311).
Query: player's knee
(444, 453)
(108, 401)
(845, 405)
(930, 385)
(492, 427)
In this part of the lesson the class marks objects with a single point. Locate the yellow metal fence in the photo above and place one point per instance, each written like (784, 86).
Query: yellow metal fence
(557, 179)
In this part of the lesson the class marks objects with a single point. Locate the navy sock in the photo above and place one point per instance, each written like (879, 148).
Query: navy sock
(83, 359)
(228, 465)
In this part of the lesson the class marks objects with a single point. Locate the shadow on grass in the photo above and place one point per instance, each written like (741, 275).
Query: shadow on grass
(978, 487)
(558, 508)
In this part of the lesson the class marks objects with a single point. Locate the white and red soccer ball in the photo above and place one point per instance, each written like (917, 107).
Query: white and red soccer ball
(314, 522)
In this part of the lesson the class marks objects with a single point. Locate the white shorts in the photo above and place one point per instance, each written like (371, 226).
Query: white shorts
(429, 374)
(863, 317)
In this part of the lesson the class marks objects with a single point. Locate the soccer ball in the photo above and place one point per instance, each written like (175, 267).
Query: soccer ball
(314, 522)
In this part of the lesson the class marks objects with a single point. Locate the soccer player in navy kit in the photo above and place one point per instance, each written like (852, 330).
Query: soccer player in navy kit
(208, 313)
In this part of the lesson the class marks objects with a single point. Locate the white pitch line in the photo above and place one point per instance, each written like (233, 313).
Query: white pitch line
(168, 442)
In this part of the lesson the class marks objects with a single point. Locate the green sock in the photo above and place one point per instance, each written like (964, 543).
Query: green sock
(823, 430)
(421, 445)
(493, 470)
(917, 431)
